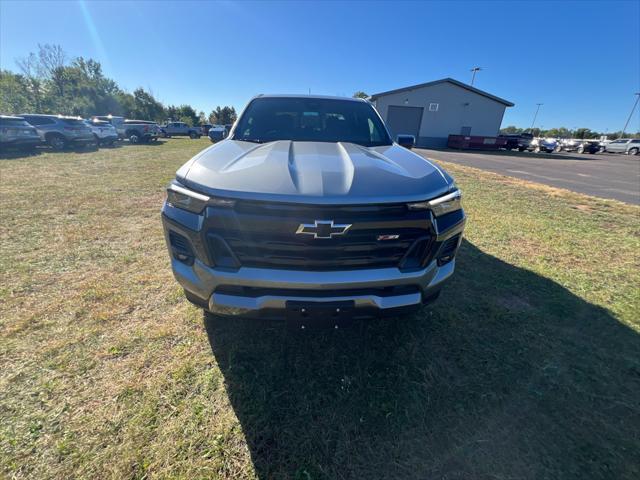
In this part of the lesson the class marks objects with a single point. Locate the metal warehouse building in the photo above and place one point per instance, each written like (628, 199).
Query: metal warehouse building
(432, 111)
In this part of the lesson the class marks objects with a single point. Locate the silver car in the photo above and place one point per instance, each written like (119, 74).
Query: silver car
(630, 146)
(15, 132)
(309, 211)
(59, 131)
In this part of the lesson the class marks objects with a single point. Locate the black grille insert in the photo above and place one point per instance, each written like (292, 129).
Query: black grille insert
(264, 235)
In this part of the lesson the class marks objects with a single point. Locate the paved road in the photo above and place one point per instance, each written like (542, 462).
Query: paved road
(602, 175)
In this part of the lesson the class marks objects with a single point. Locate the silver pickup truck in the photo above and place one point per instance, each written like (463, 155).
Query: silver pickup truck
(174, 129)
(308, 210)
(140, 131)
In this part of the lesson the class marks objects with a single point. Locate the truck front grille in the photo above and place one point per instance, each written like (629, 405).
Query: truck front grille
(264, 235)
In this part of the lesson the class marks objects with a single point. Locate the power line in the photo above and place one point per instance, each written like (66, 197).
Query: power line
(631, 114)
(535, 115)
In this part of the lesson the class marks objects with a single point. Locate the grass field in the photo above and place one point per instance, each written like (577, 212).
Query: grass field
(528, 367)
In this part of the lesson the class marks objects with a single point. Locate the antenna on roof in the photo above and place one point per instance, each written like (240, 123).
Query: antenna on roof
(473, 76)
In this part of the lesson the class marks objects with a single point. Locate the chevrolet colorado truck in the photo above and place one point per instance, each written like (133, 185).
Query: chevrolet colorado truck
(309, 208)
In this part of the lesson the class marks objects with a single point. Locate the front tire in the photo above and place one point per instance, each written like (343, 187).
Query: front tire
(134, 138)
(633, 151)
(193, 135)
(580, 149)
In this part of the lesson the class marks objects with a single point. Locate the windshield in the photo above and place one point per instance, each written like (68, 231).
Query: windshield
(311, 120)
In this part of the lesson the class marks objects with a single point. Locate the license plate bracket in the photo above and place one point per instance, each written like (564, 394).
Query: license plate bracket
(302, 315)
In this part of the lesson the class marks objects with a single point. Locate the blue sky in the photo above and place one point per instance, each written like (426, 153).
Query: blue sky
(581, 59)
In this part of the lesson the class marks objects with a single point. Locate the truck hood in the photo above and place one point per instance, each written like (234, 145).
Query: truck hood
(313, 172)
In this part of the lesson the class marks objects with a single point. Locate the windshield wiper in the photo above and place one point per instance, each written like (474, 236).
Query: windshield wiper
(252, 140)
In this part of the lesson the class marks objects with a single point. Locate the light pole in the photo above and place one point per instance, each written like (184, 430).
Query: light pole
(535, 115)
(630, 115)
(474, 70)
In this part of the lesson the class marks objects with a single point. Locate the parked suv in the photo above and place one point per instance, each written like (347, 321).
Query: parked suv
(172, 129)
(519, 141)
(540, 144)
(117, 122)
(60, 132)
(630, 146)
(309, 210)
(579, 145)
(15, 132)
(103, 132)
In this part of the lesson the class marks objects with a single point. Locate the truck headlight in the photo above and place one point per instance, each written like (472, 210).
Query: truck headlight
(181, 197)
(441, 205)
(186, 199)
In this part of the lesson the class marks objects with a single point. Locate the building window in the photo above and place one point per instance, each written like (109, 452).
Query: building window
(433, 107)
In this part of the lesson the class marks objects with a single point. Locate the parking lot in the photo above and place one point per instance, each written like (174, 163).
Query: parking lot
(602, 175)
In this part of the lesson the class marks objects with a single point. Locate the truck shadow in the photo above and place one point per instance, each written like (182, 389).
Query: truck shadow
(508, 375)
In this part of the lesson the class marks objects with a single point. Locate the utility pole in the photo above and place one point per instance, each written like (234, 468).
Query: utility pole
(536, 115)
(473, 76)
(631, 114)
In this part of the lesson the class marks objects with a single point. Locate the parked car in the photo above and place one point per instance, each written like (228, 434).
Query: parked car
(630, 146)
(217, 133)
(204, 128)
(15, 132)
(116, 121)
(59, 131)
(103, 132)
(174, 129)
(539, 144)
(517, 141)
(310, 211)
(579, 145)
(141, 131)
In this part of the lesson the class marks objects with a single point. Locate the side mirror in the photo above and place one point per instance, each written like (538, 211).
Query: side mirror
(406, 141)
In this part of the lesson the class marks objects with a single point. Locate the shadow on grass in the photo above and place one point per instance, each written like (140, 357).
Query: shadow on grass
(508, 375)
(12, 154)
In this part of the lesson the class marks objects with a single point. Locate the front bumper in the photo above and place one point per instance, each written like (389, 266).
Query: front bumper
(282, 286)
(265, 292)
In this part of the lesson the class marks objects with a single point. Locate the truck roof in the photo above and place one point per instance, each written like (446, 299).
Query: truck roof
(326, 97)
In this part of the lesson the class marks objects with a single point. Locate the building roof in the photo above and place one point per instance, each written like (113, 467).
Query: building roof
(445, 80)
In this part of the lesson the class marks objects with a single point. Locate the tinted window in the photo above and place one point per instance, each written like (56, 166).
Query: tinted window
(311, 119)
(13, 122)
(39, 120)
(72, 121)
(635, 141)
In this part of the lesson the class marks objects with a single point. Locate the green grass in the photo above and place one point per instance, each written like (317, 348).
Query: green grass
(528, 367)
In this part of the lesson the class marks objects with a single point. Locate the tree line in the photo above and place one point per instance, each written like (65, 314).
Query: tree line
(51, 83)
(562, 132)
